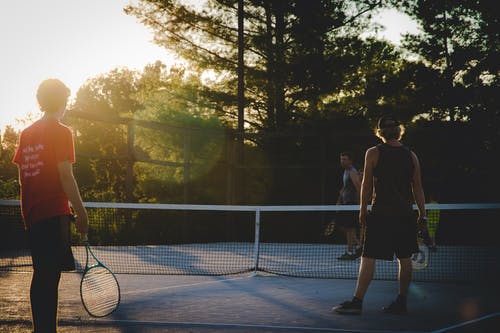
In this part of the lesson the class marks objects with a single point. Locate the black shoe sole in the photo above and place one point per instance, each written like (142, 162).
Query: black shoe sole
(355, 313)
(347, 312)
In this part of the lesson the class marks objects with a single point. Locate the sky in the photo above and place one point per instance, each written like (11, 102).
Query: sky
(74, 40)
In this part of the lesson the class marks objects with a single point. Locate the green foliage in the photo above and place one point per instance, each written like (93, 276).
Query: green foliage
(166, 158)
(9, 187)
(298, 54)
(314, 87)
(456, 83)
(460, 41)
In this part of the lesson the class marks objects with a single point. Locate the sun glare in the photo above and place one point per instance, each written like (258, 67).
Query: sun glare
(74, 41)
(69, 40)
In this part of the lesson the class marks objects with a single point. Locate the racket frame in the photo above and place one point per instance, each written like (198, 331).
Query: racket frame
(422, 248)
(88, 268)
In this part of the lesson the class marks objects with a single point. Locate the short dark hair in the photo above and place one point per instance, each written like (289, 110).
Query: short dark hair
(387, 121)
(346, 153)
(52, 94)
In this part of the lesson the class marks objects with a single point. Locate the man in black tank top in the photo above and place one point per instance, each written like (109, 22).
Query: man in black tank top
(393, 182)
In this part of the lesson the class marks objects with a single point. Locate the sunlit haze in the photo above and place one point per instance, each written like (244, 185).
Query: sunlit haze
(395, 25)
(74, 40)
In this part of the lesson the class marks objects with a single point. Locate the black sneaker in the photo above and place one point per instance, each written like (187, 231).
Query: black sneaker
(349, 307)
(395, 307)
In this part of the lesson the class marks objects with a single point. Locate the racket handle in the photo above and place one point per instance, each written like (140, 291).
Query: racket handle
(426, 237)
(422, 220)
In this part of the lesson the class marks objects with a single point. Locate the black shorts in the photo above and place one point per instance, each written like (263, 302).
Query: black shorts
(347, 219)
(50, 244)
(389, 235)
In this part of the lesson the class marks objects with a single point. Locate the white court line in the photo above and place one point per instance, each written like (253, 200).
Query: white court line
(238, 326)
(446, 329)
(328, 268)
(166, 288)
(183, 285)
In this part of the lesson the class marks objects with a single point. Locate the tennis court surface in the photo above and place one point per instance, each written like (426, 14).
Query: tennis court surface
(258, 269)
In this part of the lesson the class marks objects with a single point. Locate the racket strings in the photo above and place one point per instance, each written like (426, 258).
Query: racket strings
(420, 259)
(100, 291)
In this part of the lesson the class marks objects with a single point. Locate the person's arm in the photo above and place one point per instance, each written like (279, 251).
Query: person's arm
(70, 187)
(367, 184)
(356, 180)
(418, 190)
(339, 198)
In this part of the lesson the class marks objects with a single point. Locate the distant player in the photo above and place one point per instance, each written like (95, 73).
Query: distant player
(349, 195)
(393, 172)
(44, 157)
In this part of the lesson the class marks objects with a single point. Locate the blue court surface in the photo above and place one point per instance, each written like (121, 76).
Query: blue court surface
(261, 303)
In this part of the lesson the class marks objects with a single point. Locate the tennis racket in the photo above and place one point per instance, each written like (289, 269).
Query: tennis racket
(99, 289)
(420, 260)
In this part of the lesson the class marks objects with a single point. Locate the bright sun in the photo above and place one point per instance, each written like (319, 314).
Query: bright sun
(70, 40)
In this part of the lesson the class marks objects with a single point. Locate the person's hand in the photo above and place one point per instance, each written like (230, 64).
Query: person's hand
(422, 223)
(81, 222)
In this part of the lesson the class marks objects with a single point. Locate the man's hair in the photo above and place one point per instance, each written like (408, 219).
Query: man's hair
(346, 153)
(389, 128)
(390, 133)
(52, 95)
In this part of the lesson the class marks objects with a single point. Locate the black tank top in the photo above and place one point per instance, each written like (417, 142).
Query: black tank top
(349, 192)
(393, 177)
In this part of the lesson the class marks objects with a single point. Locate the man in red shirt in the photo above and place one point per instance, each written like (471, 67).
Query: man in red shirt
(44, 158)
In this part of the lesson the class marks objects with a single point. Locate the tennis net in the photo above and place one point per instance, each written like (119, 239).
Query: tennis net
(282, 240)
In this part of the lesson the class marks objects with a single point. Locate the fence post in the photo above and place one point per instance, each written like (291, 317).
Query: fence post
(230, 174)
(187, 165)
(257, 241)
(129, 177)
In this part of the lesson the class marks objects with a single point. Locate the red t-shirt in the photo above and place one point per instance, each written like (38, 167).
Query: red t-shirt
(42, 146)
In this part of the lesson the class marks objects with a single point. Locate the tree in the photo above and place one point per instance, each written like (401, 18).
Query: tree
(151, 128)
(459, 49)
(9, 186)
(297, 52)
(460, 41)
(102, 147)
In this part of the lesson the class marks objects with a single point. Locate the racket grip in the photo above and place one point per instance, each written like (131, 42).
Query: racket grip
(422, 220)
(426, 237)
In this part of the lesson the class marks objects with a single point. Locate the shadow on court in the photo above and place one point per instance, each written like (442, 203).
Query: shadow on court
(257, 304)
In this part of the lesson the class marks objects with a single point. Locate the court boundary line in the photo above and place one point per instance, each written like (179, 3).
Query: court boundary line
(123, 322)
(129, 322)
(185, 285)
(465, 323)
(76, 298)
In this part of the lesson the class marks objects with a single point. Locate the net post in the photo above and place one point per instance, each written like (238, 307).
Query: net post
(257, 242)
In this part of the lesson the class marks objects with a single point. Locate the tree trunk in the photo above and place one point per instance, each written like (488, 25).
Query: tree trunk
(270, 67)
(280, 77)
